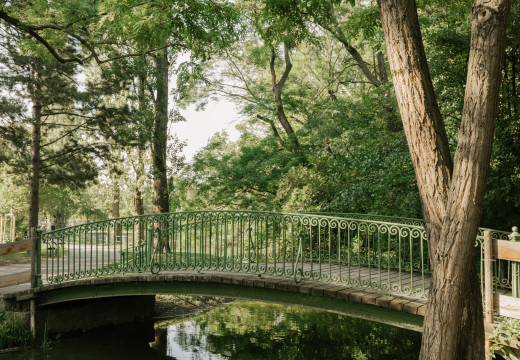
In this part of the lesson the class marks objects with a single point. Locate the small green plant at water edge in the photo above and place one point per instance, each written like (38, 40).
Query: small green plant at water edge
(13, 331)
(506, 333)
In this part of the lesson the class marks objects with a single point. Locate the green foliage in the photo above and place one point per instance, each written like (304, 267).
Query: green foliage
(241, 175)
(351, 158)
(502, 203)
(13, 330)
(202, 26)
(506, 332)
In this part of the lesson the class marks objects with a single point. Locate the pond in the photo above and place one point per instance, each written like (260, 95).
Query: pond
(238, 330)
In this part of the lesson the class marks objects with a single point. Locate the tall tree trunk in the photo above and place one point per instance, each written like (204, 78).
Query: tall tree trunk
(160, 136)
(420, 114)
(116, 195)
(277, 87)
(161, 202)
(35, 155)
(453, 325)
(139, 168)
(116, 192)
(381, 67)
(139, 179)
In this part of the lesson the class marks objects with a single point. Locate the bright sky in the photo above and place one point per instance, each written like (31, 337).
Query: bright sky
(201, 125)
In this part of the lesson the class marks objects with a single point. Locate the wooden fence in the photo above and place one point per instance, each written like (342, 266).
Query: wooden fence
(503, 305)
(12, 248)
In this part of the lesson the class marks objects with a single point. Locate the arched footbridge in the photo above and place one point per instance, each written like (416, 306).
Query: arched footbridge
(364, 265)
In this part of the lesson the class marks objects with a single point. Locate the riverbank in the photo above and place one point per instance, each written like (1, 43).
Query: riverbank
(14, 331)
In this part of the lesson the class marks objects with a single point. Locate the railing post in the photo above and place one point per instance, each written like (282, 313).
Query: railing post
(515, 266)
(488, 289)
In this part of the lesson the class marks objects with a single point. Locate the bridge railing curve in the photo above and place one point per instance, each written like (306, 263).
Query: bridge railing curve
(384, 254)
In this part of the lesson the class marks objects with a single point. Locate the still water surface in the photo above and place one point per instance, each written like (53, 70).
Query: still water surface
(239, 330)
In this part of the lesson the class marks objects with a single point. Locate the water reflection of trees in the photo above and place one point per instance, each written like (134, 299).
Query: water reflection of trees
(248, 330)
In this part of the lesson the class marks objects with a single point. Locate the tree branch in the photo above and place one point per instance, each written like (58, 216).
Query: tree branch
(29, 30)
(275, 130)
(64, 135)
(288, 66)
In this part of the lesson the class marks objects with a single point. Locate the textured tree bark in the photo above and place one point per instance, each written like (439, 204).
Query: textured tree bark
(381, 67)
(420, 114)
(161, 203)
(139, 167)
(277, 94)
(452, 204)
(160, 137)
(139, 179)
(35, 155)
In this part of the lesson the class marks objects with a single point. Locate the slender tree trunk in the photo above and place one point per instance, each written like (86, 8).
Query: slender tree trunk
(116, 196)
(381, 66)
(116, 192)
(377, 78)
(116, 199)
(513, 84)
(139, 181)
(139, 168)
(452, 204)
(277, 87)
(160, 136)
(35, 156)
(139, 177)
(275, 130)
(338, 34)
(161, 202)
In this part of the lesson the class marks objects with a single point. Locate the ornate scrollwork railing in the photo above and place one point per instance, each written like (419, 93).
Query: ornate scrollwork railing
(364, 251)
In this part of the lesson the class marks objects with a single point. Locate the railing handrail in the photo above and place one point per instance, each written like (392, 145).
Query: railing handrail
(260, 212)
(357, 216)
(334, 215)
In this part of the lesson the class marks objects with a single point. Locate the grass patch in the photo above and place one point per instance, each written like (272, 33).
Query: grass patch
(13, 330)
(18, 258)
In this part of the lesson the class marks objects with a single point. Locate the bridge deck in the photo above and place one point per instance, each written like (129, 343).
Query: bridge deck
(390, 299)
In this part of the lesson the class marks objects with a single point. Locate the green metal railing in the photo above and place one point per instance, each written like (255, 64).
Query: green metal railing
(360, 251)
(502, 271)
